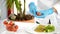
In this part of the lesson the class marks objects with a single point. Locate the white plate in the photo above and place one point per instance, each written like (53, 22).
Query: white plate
(31, 30)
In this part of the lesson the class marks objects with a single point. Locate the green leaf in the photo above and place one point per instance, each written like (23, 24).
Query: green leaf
(9, 3)
(50, 28)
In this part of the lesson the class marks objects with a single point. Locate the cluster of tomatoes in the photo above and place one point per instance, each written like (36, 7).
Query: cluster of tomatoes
(10, 26)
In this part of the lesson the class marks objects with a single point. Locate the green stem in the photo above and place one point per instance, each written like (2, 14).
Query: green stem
(20, 9)
(24, 8)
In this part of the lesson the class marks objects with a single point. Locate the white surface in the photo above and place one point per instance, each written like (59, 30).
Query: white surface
(29, 26)
(57, 7)
(3, 9)
(46, 4)
(21, 31)
(2, 27)
(0, 13)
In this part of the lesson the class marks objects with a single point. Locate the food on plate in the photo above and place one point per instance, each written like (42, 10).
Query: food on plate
(11, 26)
(50, 28)
(40, 28)
(43, 28)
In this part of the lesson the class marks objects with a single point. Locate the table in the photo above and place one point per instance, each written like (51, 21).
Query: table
(22, 27)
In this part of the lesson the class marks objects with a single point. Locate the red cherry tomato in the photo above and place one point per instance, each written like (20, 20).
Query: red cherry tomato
(14, 29)
(8, 25)
(16, 26)
(5, 22)
(11, 23)
(9, 28)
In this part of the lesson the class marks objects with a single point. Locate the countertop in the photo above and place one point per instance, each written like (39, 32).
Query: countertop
(24, 26)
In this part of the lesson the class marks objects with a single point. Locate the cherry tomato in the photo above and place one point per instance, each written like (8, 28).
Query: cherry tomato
(11, 23)
(5, 22)
(14, 29)
(8, 25)
(9, 28)
(16, 26)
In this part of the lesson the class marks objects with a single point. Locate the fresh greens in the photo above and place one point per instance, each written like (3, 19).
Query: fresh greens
(50, 28)
(40, 28)
(43, 28)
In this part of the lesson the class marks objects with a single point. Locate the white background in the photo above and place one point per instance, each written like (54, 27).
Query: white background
(3, 9)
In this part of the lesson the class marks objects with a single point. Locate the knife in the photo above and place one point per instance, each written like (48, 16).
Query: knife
(37, 22)
(49, 22)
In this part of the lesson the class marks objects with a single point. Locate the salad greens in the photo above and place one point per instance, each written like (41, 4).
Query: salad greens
(43, 28)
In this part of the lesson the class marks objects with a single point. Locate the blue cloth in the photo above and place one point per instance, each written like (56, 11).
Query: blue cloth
(44, 13)
(32, 8)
